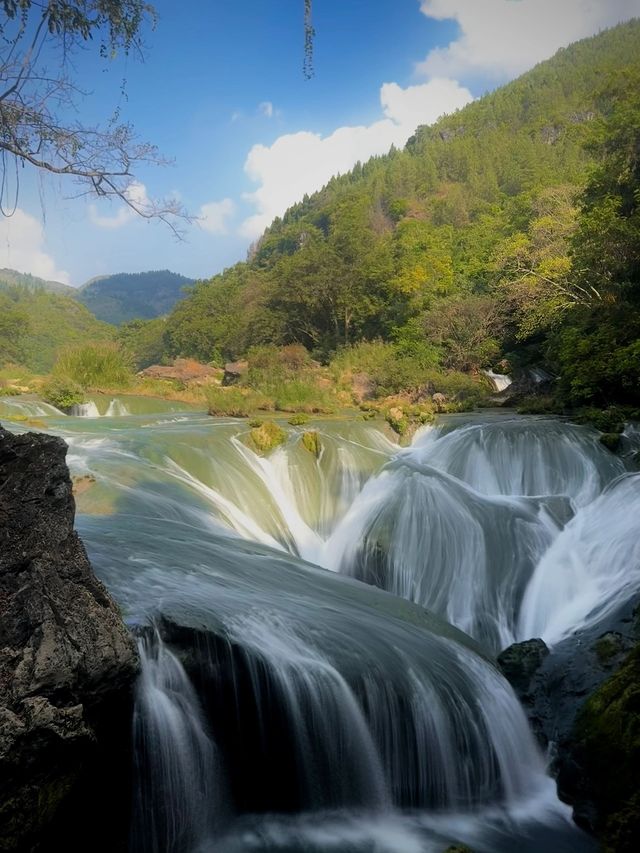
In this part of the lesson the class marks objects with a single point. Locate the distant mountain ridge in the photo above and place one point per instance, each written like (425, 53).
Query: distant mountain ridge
(122, 297)
(13, 278)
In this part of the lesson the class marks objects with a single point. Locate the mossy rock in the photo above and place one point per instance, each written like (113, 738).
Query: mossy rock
(299, 419)
(611, 441)
(311, 441)
(397, 420)
(458, 848)
(255, 423)
(607, 743)
(268, 436)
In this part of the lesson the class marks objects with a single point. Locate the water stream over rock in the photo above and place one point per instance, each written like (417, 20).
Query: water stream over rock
(285, 705)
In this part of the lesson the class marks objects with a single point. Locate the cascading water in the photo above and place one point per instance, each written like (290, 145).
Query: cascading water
(314, 712)
(176, 760)
(500, 381)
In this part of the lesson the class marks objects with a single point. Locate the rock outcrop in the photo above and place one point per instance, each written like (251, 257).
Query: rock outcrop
(583, 702)
(67, 662)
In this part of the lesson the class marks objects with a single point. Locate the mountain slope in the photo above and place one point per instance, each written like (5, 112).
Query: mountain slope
(457, 249)
(9, 277)
(35, 324)
(129, 296)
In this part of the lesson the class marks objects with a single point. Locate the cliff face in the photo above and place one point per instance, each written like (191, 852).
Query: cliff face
(67, 662)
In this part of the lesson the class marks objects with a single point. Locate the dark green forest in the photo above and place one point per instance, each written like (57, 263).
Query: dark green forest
(128, 296)
(505, 235)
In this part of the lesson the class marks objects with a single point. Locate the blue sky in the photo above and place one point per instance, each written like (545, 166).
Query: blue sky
(221, 92)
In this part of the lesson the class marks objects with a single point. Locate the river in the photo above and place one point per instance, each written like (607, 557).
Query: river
(318, 632)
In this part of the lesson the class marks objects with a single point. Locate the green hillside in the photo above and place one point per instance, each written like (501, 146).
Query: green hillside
(36, 324)
(9, 278)
(131, 296)
(503, 231)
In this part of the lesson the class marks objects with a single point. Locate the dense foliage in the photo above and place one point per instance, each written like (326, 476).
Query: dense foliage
(508, 230)
(35, 324)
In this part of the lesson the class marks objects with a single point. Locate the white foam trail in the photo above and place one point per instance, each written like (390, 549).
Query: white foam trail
(116, 409)
(590, 569)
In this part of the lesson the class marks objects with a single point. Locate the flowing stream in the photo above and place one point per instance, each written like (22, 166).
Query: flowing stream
(317, 633)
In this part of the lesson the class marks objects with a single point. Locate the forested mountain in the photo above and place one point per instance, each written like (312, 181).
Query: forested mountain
(8, 278)
(128, 296)
(36, 324)
(509, 229)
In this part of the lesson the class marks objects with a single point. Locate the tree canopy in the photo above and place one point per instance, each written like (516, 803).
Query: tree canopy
(38, 99)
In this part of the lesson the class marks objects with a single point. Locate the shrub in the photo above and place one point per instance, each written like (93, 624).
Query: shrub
(311, 441)
(234, 402)
(300, 396)
(299, 419)
(268, 436)
(95, 366)
(63, 392)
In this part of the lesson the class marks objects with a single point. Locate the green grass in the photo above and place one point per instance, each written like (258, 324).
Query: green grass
(95, 366)
(234, 402)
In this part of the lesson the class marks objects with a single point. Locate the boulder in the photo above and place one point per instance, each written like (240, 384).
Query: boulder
(67, 662)
(184, 370)
(583, 699)
(234, 372)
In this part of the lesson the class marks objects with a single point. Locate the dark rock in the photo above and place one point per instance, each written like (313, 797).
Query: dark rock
(583, 701)
(611, 440)
(234, 372)
(520, 662)
(67, 661)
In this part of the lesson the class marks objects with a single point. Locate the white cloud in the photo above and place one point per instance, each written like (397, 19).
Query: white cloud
(22, 247)
(299, 163)
(137, 195)
(213, 216)
(502, 38)
(266, 109)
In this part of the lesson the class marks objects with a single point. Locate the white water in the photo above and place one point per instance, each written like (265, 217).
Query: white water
(323, 693)
(85, 410)
(177, 760)
(500, 380)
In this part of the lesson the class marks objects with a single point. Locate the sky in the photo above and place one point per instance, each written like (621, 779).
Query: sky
(221, 92)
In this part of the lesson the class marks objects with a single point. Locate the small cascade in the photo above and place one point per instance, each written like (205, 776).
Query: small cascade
(85, 410)
(177, 799)
(116, 409)
(336, 761)
(522, 456)
(12, 406)
(500, 381)
(428, 538)
(590, 570)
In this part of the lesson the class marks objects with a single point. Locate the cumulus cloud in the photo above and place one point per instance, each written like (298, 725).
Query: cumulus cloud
(299, 163)
(22, 247)
(137, 195)
(213, 216)
(502, 38)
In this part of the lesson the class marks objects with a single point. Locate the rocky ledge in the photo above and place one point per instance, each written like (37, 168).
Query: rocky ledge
(67, 662)
(583, 701)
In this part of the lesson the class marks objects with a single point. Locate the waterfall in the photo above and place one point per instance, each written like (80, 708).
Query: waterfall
(177, 798)
(592, 567)
(427, 537)
(288, 707)
(500, 381)
(116, 409)
(85, 410)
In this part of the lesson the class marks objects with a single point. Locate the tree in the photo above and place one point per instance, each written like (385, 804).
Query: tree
(38, 104)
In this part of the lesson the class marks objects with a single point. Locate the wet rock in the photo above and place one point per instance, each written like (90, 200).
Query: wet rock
(520, 662)
(67, 661)
(583, 702)
(611, 441)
